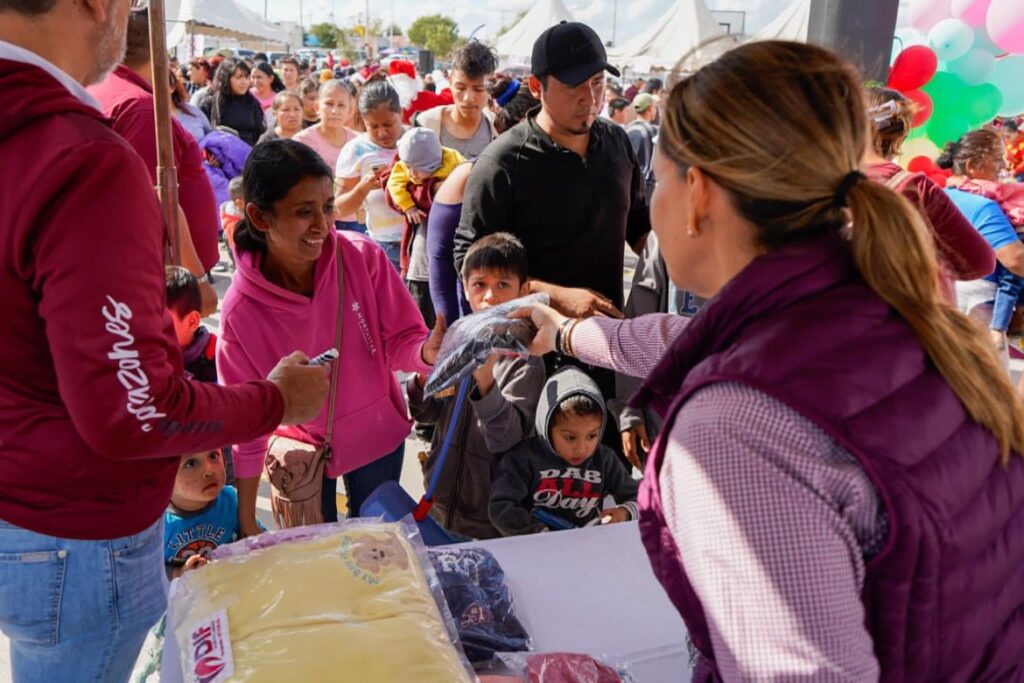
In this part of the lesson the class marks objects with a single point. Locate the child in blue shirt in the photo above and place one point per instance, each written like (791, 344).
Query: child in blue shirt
(203, 513)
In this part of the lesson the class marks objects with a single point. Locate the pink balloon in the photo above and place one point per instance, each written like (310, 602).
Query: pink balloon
(971, 12)
(1005, 24)
(926, 13)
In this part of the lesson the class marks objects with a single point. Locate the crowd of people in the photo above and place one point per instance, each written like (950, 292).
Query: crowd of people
(796, 400)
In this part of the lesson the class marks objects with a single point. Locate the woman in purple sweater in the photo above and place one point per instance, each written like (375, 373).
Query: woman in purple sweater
(838, 491)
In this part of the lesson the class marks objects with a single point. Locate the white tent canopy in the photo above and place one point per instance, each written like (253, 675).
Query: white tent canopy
(223, 18)
(516, 45)
(792, 24)
(687, 25)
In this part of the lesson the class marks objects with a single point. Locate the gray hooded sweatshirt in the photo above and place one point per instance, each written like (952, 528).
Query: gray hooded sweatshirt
(488, 427)
(533, 476)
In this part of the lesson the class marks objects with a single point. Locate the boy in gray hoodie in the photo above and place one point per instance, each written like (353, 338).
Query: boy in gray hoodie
(563, 470)
(501, 404)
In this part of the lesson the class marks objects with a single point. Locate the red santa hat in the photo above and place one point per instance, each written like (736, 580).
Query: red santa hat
(425, 100)
(402, 66)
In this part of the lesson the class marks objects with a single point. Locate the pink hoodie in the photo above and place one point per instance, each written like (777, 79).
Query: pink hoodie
(382, 332)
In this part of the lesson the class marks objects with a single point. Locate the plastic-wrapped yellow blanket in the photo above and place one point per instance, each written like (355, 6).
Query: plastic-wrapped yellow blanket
(352, 605)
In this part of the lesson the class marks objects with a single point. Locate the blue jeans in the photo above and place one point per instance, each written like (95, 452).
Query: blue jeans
(394, 252)
(79, 610)
(353, 226)
(360, 483)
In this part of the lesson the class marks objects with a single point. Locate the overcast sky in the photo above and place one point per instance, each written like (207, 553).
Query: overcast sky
(633, 16)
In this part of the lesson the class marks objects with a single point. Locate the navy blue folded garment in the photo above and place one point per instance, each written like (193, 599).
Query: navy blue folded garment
(478, 597)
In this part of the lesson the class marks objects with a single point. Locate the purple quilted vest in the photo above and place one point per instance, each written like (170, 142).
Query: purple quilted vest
(944, 599)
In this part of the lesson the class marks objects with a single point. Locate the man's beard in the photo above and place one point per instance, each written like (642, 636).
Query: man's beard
(109, 40)
(581, 130)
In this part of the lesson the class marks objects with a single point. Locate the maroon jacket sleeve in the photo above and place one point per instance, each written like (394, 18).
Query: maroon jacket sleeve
(961, 246)
(99, 272)
(135, 124)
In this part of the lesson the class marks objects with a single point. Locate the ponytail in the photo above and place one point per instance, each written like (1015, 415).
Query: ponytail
(249, 239)
(895, 253)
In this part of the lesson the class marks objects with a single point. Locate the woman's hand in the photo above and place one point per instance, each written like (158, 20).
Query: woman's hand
(433, 344)
(547, 321)
(370, 181)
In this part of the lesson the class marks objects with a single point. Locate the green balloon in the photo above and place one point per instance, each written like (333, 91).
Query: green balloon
(982, 103)
(947, 127)
(946, 91)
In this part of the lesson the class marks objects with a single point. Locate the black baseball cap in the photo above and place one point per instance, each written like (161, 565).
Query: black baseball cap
(571, 52)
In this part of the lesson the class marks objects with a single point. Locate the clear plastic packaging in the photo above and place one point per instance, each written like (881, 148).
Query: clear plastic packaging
(357, 599)
(480, 601)
(473, 338)
(563, 667)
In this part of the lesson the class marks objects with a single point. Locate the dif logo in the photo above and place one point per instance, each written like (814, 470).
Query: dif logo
(210, 659)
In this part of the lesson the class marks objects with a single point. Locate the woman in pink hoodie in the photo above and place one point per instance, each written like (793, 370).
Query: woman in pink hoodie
(285, 296)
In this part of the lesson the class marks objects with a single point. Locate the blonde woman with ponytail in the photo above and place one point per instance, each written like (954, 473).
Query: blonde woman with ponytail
(838, 490)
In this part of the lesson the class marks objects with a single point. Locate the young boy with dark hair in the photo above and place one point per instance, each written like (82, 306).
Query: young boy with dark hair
(500, 407)
(563, 472)
(466, 125)
(198, 344)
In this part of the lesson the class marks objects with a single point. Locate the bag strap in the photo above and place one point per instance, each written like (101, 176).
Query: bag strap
(337, 344)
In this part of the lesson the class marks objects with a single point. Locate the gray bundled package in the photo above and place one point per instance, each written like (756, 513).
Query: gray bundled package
(472, 339)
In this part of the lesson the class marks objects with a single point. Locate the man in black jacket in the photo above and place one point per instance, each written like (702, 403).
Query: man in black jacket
(564, 181)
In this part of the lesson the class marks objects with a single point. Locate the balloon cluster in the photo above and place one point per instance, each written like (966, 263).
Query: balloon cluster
(962, 62)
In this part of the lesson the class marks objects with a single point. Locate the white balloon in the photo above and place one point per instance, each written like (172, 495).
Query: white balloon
(951, 39)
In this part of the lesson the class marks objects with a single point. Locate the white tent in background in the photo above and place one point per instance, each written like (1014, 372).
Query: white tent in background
(222, 18)
(792, 24)
(687, 25)
(516, 45)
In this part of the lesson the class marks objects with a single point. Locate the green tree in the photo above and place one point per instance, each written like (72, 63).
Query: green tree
(328, 34)
(393, 30)
(435, 32)
(504, 29)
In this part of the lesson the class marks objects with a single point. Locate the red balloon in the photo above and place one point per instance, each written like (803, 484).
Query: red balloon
(925, 107)
(940, 176)
(922, 164)
(913, 68)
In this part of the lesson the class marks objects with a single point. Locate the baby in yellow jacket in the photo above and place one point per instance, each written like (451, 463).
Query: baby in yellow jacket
(420, 156)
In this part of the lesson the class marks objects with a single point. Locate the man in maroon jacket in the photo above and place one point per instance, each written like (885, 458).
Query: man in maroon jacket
(126, 96)
(94, 409)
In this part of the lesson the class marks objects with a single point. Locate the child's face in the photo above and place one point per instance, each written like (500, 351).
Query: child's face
(185, 327)
(200, 479)
(239, 203)
(486, 287)
(575, 437)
